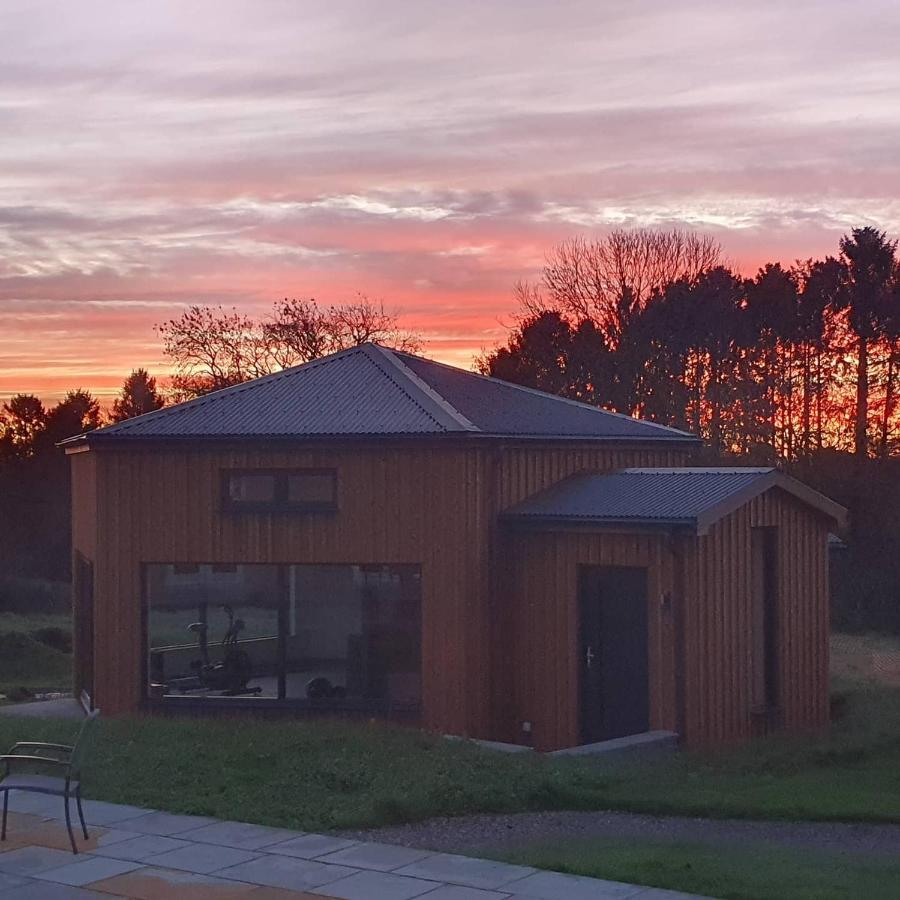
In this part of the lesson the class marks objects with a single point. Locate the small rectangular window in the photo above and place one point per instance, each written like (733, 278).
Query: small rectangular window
(280, 490)
(248, 488)
(311, 489)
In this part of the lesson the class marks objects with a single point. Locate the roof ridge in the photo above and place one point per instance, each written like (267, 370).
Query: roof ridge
(546, 394)
(445, 406)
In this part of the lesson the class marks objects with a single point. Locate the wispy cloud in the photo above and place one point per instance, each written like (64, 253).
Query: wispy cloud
(159, 154)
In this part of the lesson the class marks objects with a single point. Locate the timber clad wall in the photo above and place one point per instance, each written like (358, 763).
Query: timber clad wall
(420, 504)
(707, 697)
(718, 624)
(500, 641)
(547, 655)
(84, 548)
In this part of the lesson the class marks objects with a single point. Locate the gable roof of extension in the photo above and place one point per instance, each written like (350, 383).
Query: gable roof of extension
(371, 391)
(684, 497)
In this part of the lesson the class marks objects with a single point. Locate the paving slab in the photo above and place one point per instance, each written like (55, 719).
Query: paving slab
(150, 883)
(7, 882)
(33, 831)
(378, 886)
(99, 812)
(164, 823)
(557, 886)
(39, 804)
(240, 835)
(467, 871)
(86, 870)
(286, 872)
(202, 858)
(47, 890)
(30, 860)
(141, 846)
(106, 837)
(457, 892)
(378, 857)
(309, 846)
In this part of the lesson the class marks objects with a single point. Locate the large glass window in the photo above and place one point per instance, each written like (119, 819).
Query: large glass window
(329, 635)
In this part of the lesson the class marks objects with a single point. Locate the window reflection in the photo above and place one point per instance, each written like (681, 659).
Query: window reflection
(329, 635)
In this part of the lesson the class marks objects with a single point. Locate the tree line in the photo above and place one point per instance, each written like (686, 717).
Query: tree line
(209, 348)
(779, 366)
(797, 365)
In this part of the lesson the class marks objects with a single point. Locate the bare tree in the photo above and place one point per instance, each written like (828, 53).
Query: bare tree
(366, 320)
(609, 280)
(299, 331)
(214, 348)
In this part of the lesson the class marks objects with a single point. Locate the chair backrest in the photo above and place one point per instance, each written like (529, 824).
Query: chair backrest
(83, 741)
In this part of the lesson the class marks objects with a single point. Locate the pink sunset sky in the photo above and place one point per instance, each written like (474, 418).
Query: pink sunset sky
(157, 154)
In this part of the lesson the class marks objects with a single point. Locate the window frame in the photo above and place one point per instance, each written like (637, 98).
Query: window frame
(280, 503)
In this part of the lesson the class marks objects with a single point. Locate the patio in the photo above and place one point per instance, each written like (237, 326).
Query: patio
(150, 855)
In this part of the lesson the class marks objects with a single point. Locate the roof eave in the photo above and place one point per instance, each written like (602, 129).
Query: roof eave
(119, 438)
(537, 521)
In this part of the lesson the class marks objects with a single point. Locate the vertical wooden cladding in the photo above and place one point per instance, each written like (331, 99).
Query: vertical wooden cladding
(522, 566)
(84, 548)
(523, 470)
(719, 623)
(700, 644)
(417, 505)
(499, 608)
(545, 690)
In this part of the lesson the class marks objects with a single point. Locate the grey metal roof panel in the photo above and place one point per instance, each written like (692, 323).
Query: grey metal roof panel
(353, 393)
(664, 495)
(499, 407)
(372, 391)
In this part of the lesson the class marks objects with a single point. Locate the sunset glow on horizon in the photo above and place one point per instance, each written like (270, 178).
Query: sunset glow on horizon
(427, 155)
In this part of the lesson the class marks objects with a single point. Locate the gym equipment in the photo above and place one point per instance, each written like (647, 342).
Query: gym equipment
(230, 676)
(320, 688)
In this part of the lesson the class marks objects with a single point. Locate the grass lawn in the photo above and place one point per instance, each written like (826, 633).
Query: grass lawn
(745, 872)
(29, 663)
(332, 775)
(34, 652)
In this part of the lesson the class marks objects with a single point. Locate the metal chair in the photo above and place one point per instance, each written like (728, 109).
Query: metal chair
(57, 756)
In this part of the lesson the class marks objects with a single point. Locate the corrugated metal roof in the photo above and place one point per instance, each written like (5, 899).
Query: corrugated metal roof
(372, 391)
(499, 407)
(688, 497)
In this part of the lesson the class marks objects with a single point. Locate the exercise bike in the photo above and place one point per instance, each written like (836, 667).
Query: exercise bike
(230, 676)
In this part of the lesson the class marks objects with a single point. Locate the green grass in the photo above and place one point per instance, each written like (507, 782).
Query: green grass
(728, 871)
(31, 664)
(322, 775)
(853, 774)
(32, 656)
(331, 774)
(27, 623)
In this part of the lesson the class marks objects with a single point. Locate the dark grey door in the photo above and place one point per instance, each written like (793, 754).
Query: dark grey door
(614, 678)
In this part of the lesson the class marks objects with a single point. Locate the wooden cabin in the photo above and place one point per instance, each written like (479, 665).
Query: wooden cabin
(375, 533)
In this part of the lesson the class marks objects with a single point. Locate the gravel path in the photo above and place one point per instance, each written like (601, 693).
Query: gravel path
(499, 832)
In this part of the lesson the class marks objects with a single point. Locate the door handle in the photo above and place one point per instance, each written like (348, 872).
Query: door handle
(589, 656)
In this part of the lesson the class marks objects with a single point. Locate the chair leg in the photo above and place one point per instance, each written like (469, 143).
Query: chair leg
(81, 812)
(69, 824)
(5, 808)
